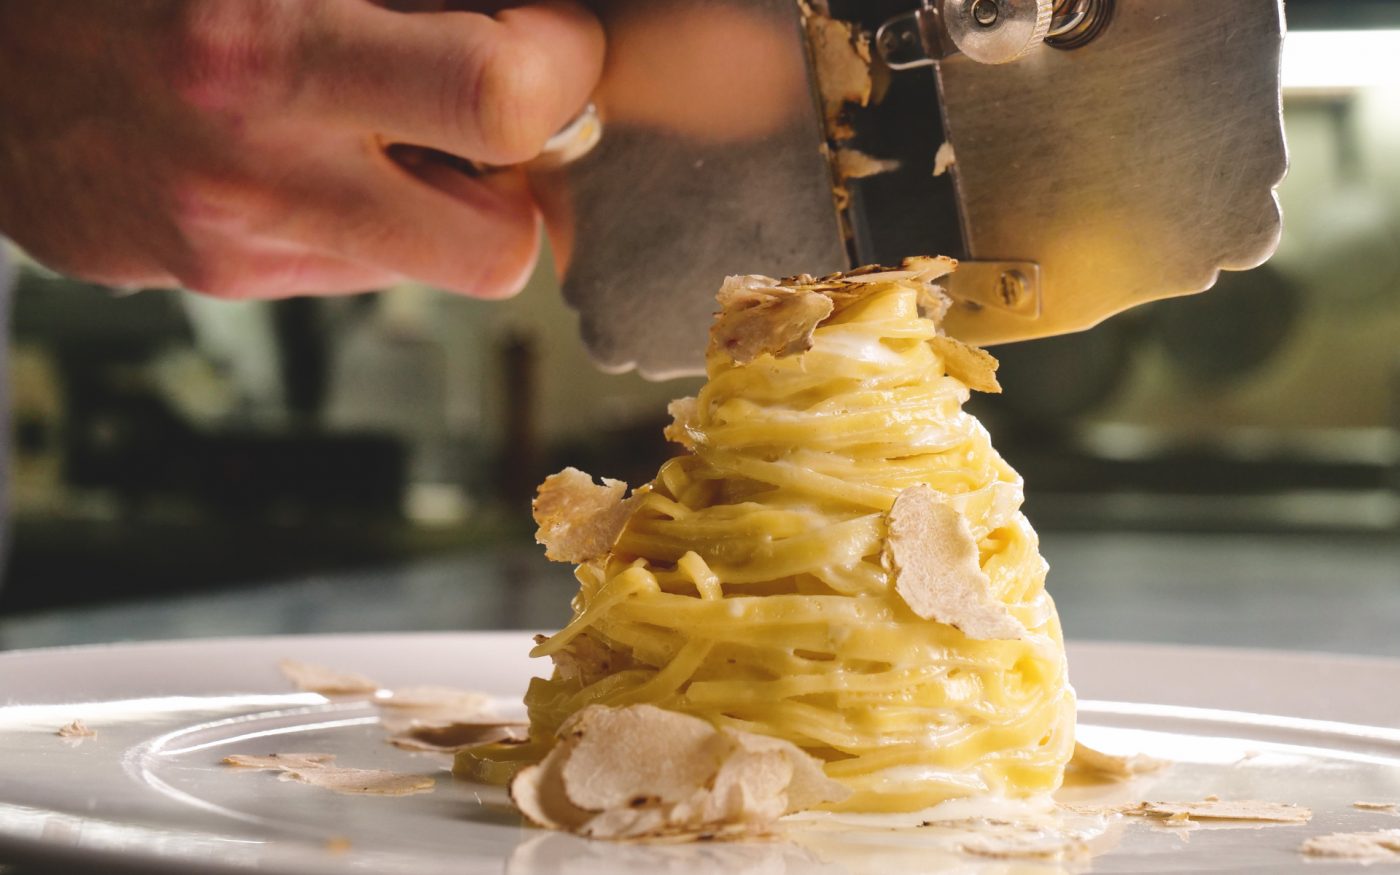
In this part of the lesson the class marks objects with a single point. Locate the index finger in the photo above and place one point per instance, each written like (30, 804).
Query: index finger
(489, 88)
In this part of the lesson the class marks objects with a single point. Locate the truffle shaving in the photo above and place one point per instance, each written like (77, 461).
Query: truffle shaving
(943, 158)
(855, 164)
(279, 762)
(362, 782)
(682, 430)
(1218, 809)
(933, 558)
(1121, 767)
(758, 316)
(454, 737)
(621, 755)
(407, 712)
(76, 729)
(326, 681)
(316, 769)
(641, 772)
(585, 659)
(761, 315)
(841, 58)
(1026, 847)
(579, 520)
(973, 367)
(1365, 846)
(539, 792)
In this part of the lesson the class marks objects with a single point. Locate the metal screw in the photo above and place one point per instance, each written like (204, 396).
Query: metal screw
(985, 12)
(1011, 288)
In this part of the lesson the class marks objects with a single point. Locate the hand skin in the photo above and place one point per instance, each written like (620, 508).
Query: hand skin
(238, 147)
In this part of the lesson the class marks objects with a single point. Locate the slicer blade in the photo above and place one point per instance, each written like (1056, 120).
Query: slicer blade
(1132, 169)
(1132, 161)
(711, 163)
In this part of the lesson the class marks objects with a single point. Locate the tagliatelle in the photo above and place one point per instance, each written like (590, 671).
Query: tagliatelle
(752, 585)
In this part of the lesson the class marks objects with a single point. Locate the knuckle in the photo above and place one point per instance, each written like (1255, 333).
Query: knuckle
(228, 54)
(218, 204)
(515, 96)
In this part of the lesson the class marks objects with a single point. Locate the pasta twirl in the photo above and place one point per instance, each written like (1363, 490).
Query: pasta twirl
(752, 584)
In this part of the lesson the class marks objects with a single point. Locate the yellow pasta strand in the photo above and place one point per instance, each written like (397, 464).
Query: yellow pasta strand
(748, 588)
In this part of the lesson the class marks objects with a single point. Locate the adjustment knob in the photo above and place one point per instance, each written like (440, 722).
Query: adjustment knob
(996, 31)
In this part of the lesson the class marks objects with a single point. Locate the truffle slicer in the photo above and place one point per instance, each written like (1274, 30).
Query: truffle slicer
(1104, 153)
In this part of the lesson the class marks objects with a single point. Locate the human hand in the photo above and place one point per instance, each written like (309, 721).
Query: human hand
(239, 147)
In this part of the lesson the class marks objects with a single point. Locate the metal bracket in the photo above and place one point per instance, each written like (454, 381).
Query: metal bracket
(1011, 287)
(1152, 173)
(912, 40)
(922, 37)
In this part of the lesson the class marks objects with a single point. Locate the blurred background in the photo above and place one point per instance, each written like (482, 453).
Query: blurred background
(1222, 468)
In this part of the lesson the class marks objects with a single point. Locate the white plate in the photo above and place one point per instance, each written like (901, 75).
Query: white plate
(148, 793)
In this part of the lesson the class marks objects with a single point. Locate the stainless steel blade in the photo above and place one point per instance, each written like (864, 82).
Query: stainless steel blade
(711, 163)
(1088, 181)
(1132, 169)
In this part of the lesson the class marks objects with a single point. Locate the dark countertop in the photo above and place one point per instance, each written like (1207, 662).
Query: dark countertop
(1309, 592)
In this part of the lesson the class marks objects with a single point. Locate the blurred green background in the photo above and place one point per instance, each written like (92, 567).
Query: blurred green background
(165, 444)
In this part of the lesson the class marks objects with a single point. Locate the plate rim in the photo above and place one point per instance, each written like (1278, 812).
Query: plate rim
(33, 850)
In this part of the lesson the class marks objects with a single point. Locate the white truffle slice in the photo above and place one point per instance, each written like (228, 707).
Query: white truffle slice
(934, 560)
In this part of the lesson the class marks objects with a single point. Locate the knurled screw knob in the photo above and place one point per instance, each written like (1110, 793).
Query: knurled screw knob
(996, 31)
